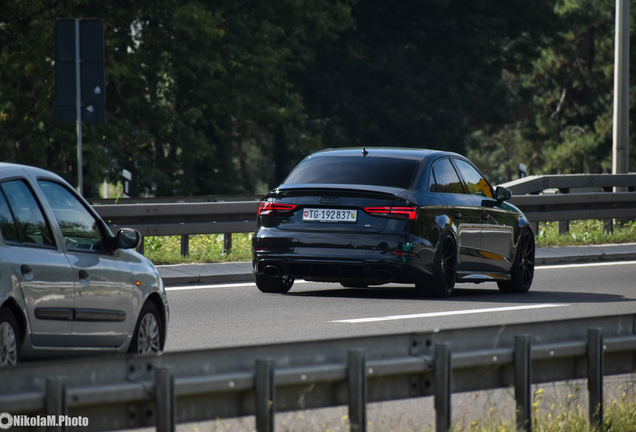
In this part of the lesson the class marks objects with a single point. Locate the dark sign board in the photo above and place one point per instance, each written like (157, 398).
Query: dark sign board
(91, 56)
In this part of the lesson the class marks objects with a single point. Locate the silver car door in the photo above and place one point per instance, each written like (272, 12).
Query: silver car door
(103, 280)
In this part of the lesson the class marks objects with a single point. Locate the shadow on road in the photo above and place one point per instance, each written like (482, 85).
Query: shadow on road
(463, 293)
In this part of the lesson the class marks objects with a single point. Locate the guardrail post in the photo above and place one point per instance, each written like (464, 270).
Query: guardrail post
(564, 226)
(608, 224)
(165, 407)
(185, 245)
(265, 391)
(595, 376)
(442, 387)
(357, 380)
(227, 243)
(56, 401)
(140, 248)
(523, 373)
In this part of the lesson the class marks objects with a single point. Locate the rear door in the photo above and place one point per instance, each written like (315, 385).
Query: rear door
(497, 224)
(463, 211)
(39, 265)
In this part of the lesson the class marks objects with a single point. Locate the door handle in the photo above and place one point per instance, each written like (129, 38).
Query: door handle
(83, 274)
(457, 215)
(25, 269)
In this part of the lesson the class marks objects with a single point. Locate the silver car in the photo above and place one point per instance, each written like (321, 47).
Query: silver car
(68, 286)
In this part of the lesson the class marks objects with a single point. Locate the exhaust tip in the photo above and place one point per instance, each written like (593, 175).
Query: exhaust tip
(271, 271)
(384, 275)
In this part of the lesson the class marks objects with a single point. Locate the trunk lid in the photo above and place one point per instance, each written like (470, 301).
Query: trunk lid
(322, 208)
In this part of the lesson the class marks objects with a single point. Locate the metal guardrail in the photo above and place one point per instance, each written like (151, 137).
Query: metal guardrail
(565, 206)
(176, 199)
(536, 184)
(189, 386)
(214, 214)
(184, 218)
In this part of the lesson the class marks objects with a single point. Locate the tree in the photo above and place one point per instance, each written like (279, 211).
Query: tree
(562, 121)
(420, 74)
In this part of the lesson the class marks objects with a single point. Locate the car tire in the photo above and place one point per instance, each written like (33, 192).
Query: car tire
(9, 339)
(148, 337)
(522, 271)
(444, 270)
(354, 284)
(278, 285)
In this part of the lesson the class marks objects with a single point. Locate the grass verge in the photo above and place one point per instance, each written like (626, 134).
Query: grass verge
(203, 249)
(209, 248)
(585, 232)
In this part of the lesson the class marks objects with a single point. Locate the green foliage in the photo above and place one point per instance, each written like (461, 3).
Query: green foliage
(561, 117)
(189, 85)
(420, 74)
(226, 97)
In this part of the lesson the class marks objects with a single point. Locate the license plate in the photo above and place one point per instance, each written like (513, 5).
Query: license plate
(330, 215)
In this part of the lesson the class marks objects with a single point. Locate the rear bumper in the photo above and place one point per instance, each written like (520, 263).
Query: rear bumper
(338, 265)
(364, 258)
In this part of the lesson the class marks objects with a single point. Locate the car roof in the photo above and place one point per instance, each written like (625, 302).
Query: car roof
(7, 168)
(390, 152)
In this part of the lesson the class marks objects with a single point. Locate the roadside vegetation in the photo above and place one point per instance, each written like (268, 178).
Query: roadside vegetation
(203, 249)
(585, 232)
(209, 248)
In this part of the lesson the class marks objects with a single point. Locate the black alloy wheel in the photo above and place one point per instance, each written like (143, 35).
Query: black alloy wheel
(444, 272)
(278, 285)
(522, 271)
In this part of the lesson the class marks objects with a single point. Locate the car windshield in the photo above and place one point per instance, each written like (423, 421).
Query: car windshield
(373, 171)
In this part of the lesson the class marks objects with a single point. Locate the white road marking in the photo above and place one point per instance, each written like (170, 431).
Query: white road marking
(447, 313)
(233, 285)
(596, 264)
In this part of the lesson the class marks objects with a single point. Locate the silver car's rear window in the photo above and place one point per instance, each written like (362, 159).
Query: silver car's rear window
(374, 171)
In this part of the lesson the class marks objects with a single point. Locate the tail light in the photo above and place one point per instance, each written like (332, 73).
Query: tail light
(268, 208)
(405, 213)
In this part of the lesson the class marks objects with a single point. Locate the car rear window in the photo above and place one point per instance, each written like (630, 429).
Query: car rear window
(374, 171)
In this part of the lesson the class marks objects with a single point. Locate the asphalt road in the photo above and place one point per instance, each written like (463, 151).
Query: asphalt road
(239, 314)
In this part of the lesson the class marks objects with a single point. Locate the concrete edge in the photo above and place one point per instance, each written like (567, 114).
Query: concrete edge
(586, 259)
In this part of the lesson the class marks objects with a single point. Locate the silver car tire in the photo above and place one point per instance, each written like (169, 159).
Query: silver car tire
(148, 336)
(9, 339)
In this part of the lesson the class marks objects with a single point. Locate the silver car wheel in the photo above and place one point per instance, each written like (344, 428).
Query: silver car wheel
(148, 339)
(8, 345)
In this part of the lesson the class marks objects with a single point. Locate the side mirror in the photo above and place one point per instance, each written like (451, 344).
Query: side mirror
(127, 238)
(502, 194)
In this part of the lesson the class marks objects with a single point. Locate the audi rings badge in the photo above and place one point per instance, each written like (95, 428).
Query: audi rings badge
(329, 200)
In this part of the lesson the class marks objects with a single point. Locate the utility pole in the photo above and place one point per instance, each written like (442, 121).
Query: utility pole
(620, 148)
(620, 154)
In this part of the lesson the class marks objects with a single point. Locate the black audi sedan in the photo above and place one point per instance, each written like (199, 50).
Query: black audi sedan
(371, 216)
